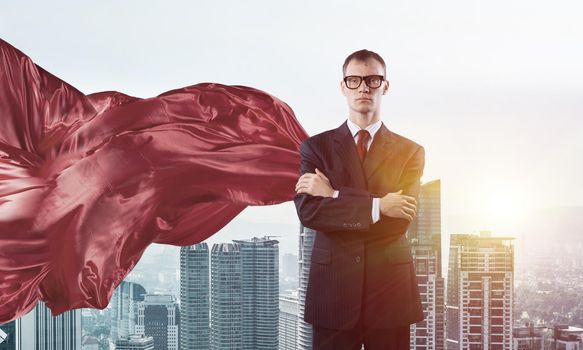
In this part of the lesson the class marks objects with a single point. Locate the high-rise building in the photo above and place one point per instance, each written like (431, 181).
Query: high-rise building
(260, 291)
(226, 297)
(124, 311)
(307, 236)
(244, 294)
(425, 230)
(159, 318)
(135, 342)
(288, 322)
(424, 234)
(194, 297)
(480, 292)
(39, 330)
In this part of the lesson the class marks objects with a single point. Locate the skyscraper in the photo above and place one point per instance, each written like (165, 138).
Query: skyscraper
(159, 317)
(244, 294)
(124, 311)
(480, 292)
(226, 297)
(39, 330)
(194, 297)
(307, 236)
(424, 234)
(288, 322)
(260, 291)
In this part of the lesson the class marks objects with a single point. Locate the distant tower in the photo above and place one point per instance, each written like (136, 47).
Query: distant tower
(226, 298)
(480, 288)
(288, 322)
(289, 266)
(124, 311)
(194, 297)
(307, 236)
(159, 317)
(260, 290)
(424, 234)
(39, 330)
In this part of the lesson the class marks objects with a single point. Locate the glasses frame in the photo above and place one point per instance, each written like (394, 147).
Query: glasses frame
(366, 80)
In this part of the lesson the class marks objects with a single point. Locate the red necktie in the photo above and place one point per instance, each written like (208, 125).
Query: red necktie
(363, 137)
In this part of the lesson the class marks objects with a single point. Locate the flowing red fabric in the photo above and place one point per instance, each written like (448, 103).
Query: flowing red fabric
(87, 182)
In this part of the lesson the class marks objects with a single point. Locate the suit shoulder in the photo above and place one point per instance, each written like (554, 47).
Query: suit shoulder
(320, 138)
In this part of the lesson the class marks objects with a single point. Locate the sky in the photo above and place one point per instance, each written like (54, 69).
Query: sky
(493, 89)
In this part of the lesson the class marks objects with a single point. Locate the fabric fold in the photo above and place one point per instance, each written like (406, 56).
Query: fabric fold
(87, 182)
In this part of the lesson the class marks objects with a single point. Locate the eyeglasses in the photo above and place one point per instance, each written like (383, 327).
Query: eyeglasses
(372, 81)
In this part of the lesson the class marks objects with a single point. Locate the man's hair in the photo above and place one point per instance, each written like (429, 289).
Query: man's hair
(363, 56)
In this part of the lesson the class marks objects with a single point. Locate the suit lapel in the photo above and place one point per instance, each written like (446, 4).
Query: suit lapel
(380, 149)
(346, 149)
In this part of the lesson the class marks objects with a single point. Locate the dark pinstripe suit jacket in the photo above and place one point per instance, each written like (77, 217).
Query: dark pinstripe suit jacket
(348, 246)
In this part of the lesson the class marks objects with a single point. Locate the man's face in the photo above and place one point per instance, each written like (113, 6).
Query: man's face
(364, 99)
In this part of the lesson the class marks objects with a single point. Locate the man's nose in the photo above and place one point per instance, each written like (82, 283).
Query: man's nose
(363, 87)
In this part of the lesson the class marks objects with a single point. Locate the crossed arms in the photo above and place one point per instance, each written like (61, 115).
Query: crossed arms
(318, 207)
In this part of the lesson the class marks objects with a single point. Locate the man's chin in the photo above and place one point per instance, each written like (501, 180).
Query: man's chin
(361, 109)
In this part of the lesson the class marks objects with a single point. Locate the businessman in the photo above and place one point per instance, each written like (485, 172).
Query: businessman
(358, 189)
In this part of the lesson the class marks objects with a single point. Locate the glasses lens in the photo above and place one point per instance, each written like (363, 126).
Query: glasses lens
(352, 81)
(373, 81)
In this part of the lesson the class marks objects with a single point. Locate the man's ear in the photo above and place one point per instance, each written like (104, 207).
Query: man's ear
(342, 88)
(386, 87)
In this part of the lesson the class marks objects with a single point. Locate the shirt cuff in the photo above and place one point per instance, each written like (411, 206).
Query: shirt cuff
(335, 194)
(376, 210)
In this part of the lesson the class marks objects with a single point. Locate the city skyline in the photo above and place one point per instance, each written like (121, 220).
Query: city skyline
(479, 85)
(492, 90)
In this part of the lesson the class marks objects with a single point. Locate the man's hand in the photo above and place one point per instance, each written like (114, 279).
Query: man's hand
(397, 205)
(315, 184)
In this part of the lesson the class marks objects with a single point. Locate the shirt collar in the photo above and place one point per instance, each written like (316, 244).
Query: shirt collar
(372, 128)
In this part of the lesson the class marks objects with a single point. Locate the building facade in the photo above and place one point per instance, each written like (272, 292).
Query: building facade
(39, 330)
(124, 311)
(159, 318)
(288, 322)
(424, 234)
(480, 292)
(194, 297)
(307, 236)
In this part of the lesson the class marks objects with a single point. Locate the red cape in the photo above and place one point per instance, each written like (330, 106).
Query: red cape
(88, 182)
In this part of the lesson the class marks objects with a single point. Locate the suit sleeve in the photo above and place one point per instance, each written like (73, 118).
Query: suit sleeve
(410, 183)
(351, 210)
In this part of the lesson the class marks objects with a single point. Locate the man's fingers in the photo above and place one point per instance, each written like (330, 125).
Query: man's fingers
(410, 206)
(409, 211)
(409, 199)
(404, 215)
(302, 183)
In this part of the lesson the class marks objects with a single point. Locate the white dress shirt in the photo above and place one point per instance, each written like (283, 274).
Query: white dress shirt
(372, 130)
